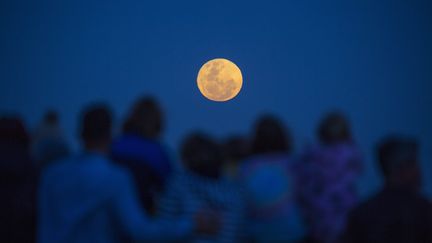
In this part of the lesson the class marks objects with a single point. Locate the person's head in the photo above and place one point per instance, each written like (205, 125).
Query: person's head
(51, 117)
(202, 155)
(13, 132)
(96, 127)
(236, 148)
(270, 137)
(145, 119)
(398, 160)
(334, 129)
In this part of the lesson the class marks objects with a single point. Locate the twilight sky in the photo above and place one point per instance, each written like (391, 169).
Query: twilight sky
(299, 59)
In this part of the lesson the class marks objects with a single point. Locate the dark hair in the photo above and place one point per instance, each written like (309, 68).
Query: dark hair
(270, 136)
(334, 128)
(236, 148)
(145, 119)
(202, 155)
(397, 153)
(51, 117)
(96, 124)
(13, 131)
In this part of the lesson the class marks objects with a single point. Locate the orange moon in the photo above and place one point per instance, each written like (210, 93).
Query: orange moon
(219, 80)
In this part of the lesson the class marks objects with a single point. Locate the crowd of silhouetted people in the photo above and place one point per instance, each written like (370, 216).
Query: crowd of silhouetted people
(128, 187)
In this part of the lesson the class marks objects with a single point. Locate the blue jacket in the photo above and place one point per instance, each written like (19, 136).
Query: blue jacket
(148, 163)
(89, 199)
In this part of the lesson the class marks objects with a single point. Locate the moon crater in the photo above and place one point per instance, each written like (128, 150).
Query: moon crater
(219, 80)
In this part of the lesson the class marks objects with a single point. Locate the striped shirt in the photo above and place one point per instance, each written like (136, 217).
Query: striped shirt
(188, 193)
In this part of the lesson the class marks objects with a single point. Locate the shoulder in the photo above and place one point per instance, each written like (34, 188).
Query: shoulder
(178, 182)
(225, 191)
(58, 167)
(423, 204)
(361, 210)
(118, 173)
(368, 209)
(106, 173)
(235, 191)
(371, 203)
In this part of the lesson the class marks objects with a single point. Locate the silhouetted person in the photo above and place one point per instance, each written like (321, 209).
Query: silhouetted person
(326, 177)
(201, 185)
(139, 150)
(273, 215)
(18, 184)
(236, 149)
(398, 213)
(86, 198)
(48, 142)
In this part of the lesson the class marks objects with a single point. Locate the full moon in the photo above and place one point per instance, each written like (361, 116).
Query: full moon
(219, 80)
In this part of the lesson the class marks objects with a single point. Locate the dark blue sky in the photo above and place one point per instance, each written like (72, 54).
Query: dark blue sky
(300, 59)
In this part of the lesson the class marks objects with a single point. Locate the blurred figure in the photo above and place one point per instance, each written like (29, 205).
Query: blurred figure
(139, 150)
(18, 184)
(398, 213)
(236, 149)
(326, 178)
(201, 185)
(48, 142)
(86, 198)
(273, 215)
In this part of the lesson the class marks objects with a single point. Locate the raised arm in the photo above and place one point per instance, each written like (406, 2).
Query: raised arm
(136, 223)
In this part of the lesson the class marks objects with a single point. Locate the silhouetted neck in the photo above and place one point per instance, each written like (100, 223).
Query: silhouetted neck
(98, 148)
